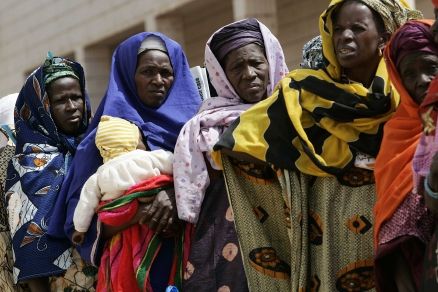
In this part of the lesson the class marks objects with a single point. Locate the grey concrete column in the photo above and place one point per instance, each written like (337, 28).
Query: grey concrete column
(96, 62)
(170, 25)
(263, 10)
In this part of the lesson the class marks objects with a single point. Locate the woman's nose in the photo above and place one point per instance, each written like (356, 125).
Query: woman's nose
(70, 105)
(424, 79)
(249, 73)
(347, 34)
(158, 79)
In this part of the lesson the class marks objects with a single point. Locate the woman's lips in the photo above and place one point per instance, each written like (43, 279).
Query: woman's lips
(157, 92)
(74, 119)
(346, 51)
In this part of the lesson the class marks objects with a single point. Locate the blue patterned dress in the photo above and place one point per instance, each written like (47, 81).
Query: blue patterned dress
(34, 177)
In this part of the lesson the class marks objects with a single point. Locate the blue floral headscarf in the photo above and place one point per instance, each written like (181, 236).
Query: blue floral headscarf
(35, 175)
(160, 126)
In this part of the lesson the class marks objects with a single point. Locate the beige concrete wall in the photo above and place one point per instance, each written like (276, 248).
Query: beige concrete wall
(197, 20)
(298, 23)
(426, 7)
(28, 29)
(89, 30)
(34, 27)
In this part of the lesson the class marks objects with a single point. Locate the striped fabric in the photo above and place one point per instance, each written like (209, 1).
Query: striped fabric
(316, 121)
(128, 257)
(116, 136)
(314, 124)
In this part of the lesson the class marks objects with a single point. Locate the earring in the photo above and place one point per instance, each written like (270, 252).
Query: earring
(380, 52)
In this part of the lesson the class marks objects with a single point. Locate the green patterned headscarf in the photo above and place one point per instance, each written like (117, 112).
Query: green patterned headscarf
(57, 67)
(393, 13)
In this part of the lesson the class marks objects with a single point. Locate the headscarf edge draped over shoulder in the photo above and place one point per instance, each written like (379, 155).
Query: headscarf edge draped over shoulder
(36, 172)
(314, 123)
(160, 126)
(393, 172)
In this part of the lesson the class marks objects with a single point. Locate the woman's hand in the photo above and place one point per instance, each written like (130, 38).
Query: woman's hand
(159, 212)
(109, 231)
(433, 174)
(431, 203)
(161, 215)
(78, 237)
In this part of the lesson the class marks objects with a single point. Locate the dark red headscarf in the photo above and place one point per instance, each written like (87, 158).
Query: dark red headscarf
(413, 37)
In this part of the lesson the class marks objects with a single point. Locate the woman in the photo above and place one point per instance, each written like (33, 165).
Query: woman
(150, 85)
(403, 226)
(244, 61)
(425, 164)
(320, 130)
(7, 149)
(51, 114)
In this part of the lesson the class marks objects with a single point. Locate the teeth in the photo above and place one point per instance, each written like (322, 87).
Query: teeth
(345, 51)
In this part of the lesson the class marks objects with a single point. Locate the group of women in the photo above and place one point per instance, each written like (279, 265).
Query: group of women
(278, 182)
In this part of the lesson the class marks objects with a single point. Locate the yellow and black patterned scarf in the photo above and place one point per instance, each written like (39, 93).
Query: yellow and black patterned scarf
(313, 122)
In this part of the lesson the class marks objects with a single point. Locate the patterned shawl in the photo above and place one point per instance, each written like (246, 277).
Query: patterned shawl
(35, 175)
(393, 169)
(160, 126)
(312, 57)
(203, 131)
(313, 122)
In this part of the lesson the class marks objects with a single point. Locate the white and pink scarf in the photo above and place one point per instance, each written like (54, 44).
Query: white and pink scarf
(200, 134)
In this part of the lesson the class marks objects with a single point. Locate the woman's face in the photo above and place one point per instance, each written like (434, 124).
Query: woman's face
(417, 70)
(248, 72)
(66, 104)
(434, 27)
(356, 38)
(153, 77)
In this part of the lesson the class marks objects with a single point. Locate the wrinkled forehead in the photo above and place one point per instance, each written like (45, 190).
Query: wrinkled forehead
(417, 59)
(343, 12)
(67, 84)
(153, 57)
(248, 52)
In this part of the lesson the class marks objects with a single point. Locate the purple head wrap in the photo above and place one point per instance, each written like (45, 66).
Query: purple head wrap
(234, 36)
(412, 37)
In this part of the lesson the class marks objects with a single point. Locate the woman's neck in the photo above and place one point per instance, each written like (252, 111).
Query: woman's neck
(364, 75)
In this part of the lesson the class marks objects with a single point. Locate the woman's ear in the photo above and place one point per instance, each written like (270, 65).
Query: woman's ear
(383, 39)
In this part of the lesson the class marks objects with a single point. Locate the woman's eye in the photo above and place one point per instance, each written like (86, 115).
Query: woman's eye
(258, 63)
(166, 74)
(336, 29)
(237, 67)
(408, 75)
(358, 28)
